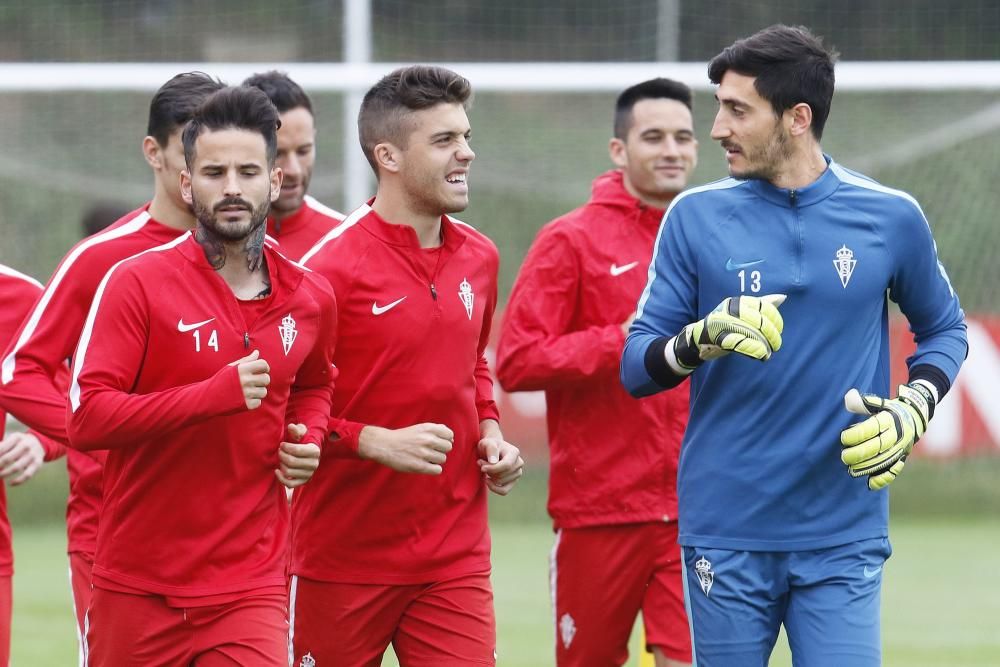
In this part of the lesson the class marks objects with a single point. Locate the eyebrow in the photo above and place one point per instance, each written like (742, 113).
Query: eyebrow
(450, 133)
(731, 101)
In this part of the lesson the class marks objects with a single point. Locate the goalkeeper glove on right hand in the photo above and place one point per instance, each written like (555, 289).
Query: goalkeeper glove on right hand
(878, 446)
(748, 325)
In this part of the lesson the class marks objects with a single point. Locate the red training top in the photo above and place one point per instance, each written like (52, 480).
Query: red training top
(192, 508)
(413, 329)
(613, 458)
(17, 294)
(48, 338)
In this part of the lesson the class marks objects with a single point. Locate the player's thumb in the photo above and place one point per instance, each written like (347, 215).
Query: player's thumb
(253, 356)
(858, 403)
(774, 299)
(491, 450)
(296, 432)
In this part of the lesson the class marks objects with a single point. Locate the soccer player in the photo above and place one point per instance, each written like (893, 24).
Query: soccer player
(390, 540)
(48, 337)
(190, 356)
(775, 530)
(21, 454)
(297, 220)
(613, 502)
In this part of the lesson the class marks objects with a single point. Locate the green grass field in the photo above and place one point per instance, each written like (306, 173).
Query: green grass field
(941, 601)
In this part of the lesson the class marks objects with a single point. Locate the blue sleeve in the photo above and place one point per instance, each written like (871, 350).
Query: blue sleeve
(921, 287)
(667, 305)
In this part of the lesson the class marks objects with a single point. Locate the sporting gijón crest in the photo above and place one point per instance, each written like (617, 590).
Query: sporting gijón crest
(467, 297)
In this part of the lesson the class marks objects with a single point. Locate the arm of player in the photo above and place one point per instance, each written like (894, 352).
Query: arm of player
(311, 395)
(536, 350)
(499, 461)
(486, 406)
(105, 414)
(921, 287)
(35, 376)
(421, 448)
(665, 345)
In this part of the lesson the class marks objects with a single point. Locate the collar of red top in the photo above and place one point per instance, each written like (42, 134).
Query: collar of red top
(608, 189)
(283, 276)
(156, 229)
(452, 234)
(274, 226)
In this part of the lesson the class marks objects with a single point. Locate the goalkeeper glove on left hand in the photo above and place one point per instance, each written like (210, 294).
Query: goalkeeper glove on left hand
(878, 446)
(749, 325)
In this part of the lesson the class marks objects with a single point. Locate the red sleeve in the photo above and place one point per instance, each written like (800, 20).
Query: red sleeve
(38, 353)
(104, 414)
(53, 449)
(342, 441)
(485, 404)
(344, 435)
(312, 394)
(536, 349)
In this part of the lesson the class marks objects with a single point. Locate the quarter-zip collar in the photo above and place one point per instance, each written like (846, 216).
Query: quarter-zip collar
(283, 279)
(815, 192)
(452, 235)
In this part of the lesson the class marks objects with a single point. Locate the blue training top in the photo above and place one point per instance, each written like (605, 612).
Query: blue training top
(760, 466)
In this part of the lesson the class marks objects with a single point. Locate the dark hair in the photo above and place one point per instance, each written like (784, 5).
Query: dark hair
(235, 107)
(175, 102)
(101, 215)
(285, 94)
(387, 104)
(654, 89)
(790, 66)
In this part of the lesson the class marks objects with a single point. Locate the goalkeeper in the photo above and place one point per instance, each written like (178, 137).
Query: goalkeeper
(770, 289)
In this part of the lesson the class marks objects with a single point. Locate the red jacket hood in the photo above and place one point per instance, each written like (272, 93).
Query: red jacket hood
(608, 189)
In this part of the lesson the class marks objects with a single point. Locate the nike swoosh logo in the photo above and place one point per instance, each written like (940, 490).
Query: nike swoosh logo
(618, 270)
(871, 573)
(189, 327)
(378, 310)
(733, 266)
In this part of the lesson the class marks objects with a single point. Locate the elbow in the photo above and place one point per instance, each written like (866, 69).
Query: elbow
(510, 372)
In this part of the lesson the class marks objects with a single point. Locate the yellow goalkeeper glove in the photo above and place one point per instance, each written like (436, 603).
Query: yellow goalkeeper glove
(748, 325)
(878, 446)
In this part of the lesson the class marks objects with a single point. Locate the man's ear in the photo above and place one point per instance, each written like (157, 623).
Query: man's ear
(388, 157)
(801, 116)
(186, 187)
(277, 176)
(616, 150)
(152, 152)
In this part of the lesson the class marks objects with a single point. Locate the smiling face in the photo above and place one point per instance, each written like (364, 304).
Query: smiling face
(758, 144)
(296, 157)
(434, 165)
(659, 152)
(230, 185)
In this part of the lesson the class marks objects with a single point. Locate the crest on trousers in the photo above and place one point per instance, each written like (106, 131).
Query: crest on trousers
(466, 295)
(567, 629)
(288, 332)
(845, 263)
(706, 577)
(307, 661)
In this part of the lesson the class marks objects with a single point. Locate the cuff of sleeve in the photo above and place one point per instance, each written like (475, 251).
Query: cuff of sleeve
(53, 449)
(344, 434)
(933, 376)
(656, 364)
(228, 381)
(489, 411)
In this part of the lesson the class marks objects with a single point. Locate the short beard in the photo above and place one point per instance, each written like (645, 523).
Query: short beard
(214, 237)
(764, 163)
